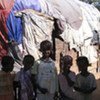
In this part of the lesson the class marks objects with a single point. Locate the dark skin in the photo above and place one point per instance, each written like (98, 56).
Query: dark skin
(33, 78)
(66, 71)
(84, 73)
(17, 84)
(46, 55)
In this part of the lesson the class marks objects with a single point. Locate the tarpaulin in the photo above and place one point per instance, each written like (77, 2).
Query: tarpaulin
(5, 7)
(14, 24)
(37, 27)
(69, 9)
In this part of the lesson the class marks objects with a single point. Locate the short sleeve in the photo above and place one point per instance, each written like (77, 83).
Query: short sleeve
(93, 81)
(72, 76)
(34, 69)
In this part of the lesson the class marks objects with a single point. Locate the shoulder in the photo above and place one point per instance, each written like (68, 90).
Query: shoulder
(52, 61)
(13, 74)
(72, 76)
(34, 69)
(60, 76)
(2, 74)
(18, 74)
(91, 75)
(72, 73)
(78, 75)
(38, 61)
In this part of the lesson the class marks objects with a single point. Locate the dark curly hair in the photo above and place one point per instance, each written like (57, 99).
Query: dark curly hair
(7, 63)
(28, 60)
(45, 45)
(82, 61)
(68, 59)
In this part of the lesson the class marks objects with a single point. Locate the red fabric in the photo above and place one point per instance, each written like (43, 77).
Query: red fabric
(3, 52)
(5, 8)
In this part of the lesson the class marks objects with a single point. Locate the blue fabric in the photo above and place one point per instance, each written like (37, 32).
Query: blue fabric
(25, 4)
(14, 24)
(14, 28)
(26, 85)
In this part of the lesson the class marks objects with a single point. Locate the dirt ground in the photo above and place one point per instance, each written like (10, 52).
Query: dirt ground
(60, 47)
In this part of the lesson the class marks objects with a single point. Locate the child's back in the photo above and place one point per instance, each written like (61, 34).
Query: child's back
(87, 85)
(67, 79)
(85, 81)
(23, 79)
(6, 79)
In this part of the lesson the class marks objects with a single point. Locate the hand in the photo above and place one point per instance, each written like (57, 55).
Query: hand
(56, 96)
(43, 90)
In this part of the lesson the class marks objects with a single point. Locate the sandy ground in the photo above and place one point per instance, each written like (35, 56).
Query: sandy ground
(59, 48)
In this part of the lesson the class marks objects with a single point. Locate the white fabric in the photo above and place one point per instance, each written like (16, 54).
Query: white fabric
(90, 52)
(82, 38)
(69, 9)
(36, 28)
(46, 77)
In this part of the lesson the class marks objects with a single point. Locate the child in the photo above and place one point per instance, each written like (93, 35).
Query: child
(23, 79)
(46, 73)
(67, 79)
(6, 78)
(85, 81)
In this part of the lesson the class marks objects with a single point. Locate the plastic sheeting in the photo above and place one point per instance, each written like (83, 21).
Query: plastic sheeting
(5, 7)
(69, 9)
(82, 39)
(37, 27)
(14, 24)
(64, 10)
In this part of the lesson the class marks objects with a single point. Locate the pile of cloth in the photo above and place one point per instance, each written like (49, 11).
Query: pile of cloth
(25, 23)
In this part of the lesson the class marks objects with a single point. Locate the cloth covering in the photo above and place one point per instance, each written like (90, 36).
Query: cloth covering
(82, 38)
(5, 8)
(37, 28)
(73, 16)
(14, 24)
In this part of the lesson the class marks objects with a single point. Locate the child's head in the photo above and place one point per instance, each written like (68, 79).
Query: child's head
(28, 62)
(67, 62)
(46, 48)
(7, 63)
(82, 63)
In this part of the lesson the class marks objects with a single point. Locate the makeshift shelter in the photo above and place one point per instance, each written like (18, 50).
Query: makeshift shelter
(25, 23)
(36, 28)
